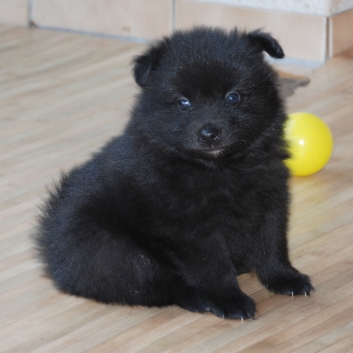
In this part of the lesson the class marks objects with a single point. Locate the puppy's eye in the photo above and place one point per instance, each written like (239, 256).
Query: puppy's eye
(183, 104)
(233, 98)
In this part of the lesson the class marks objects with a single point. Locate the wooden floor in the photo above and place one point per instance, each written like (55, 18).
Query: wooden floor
(62, 96)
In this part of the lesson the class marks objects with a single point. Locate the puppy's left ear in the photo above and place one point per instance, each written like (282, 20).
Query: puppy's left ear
(264, 41)
(148, 62)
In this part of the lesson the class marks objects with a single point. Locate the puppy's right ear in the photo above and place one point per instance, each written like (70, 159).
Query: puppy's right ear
(264, 41)
(148, 62)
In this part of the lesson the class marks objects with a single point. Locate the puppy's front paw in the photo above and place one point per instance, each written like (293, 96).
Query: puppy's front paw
(241, 307)
(290, 284)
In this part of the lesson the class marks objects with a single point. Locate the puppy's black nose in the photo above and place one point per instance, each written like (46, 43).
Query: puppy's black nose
(209, 134)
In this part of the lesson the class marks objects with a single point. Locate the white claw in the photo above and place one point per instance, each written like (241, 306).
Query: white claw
(292, 294)
(305, 293)
(242, 319)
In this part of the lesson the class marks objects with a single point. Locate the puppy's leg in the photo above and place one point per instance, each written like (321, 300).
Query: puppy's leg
(272, 263)
(210, 282)
(96, 263)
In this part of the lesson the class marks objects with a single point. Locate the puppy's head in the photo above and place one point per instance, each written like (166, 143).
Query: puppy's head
(208, 93)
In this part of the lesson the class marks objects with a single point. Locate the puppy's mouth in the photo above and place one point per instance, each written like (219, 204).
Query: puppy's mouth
(211, 152)
(216, 152)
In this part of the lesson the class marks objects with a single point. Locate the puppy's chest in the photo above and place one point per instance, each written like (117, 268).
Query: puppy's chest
(210, 199)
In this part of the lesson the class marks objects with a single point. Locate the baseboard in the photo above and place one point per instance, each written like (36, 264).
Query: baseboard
(305, 37)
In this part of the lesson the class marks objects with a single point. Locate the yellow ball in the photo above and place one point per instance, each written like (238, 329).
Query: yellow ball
(310, 143)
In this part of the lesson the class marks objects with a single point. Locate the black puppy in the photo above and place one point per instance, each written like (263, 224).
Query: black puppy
(193, 193)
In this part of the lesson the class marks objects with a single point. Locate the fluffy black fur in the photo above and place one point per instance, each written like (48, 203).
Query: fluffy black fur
(192, 194)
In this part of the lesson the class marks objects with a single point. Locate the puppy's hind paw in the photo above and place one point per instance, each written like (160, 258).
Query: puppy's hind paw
(192, 302)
